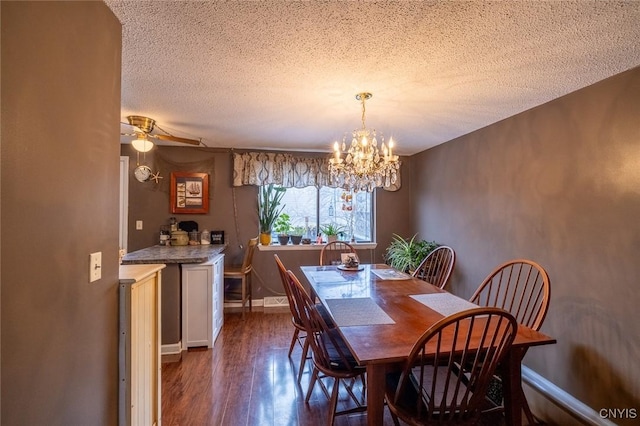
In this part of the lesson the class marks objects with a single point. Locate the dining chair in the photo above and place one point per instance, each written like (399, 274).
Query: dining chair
(331, 252)
(330, 354)
(299, 332)
(523, 288)
(437, 266)
(243, 273)
(519, 286)
(429, 389)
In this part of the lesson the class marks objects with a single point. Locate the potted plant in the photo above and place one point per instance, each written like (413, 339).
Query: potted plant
(282, 226)
(296, 234)
(331, 231)
(405, 254)
(269, 208)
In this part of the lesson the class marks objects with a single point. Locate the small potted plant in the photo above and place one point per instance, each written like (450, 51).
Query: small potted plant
(405, 254)
(296, 234)
(331, 231)
(282, 226)
(269, 208)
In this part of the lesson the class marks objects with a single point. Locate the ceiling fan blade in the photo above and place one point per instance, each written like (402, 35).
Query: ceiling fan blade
(176, 139)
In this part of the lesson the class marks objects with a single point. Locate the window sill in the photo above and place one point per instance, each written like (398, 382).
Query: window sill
(278, 247)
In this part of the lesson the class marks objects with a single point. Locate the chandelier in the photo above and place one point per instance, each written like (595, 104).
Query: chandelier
(364, 167)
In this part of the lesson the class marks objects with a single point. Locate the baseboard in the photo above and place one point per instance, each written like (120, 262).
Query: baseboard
(276, 302)
(238, 304)
(562, 399)
(171, 349)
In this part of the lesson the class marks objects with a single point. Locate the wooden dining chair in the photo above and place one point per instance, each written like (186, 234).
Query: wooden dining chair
(243, 273)
(331, 252)
(299, 331)
(521, 287)
(331, 356)
(437, 266)
(429, 389)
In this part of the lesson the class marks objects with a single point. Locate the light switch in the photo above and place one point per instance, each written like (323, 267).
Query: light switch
(95, 266)
(138, 225)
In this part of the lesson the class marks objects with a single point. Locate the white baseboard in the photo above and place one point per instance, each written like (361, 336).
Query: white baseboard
(238, 304)
(562, 399)
(276, 302)
(171, 349)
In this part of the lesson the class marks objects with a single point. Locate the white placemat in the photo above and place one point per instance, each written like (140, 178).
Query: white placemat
(327, 277)
(357, 311)
(390, 274)
(444, 303)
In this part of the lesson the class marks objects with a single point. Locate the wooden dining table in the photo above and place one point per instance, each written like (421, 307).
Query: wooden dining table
(381, 312)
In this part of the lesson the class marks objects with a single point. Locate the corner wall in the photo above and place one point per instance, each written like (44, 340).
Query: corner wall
(559, 184)
(59, 186)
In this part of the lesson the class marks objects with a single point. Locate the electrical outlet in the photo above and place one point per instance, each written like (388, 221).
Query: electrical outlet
(95, 266)
(138, 225)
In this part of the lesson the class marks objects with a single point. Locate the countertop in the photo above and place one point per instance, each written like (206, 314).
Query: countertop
(174, 254)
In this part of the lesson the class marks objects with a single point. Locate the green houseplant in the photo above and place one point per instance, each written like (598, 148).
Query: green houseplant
(269, 208)
(331, 231)
(405, 254)
(282, 226)
(296, 234)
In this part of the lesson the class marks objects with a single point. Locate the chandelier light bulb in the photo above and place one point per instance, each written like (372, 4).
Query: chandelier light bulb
(336, 149)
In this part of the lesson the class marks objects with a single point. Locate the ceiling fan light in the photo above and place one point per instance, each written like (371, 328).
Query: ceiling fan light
(142, 144)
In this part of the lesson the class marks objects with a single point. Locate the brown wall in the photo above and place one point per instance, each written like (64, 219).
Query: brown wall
(559, 184)
(59, 168)
(149, 202)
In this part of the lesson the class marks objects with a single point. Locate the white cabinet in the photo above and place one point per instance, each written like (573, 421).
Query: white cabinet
(139, 358)
(202, 302)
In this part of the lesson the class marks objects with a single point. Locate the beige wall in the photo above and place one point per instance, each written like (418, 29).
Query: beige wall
(559, 184)
(59, 168)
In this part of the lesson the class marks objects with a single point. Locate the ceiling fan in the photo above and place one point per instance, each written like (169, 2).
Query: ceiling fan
(142, 128)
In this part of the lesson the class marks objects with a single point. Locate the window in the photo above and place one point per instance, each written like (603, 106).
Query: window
(311, 208)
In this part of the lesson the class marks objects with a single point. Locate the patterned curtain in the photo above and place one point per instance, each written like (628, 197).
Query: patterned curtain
(263, 168)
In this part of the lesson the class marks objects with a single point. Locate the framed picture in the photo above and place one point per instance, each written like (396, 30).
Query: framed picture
(189, 193)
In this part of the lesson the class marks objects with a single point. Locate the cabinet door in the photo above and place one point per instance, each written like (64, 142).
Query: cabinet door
(218, 295)
(144, 353)
(197, 287)
(139, 364)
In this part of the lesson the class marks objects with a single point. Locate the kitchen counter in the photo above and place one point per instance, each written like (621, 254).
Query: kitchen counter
(174, 257)
(173, 254)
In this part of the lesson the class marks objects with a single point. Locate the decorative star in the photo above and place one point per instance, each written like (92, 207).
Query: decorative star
(156, 176)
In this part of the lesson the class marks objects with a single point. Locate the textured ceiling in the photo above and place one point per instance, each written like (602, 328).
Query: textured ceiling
(283, 75)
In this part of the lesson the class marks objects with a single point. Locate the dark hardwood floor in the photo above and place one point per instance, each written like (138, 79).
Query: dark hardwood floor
(246, 379)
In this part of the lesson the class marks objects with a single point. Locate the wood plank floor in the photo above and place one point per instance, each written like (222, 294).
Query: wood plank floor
(246, 379)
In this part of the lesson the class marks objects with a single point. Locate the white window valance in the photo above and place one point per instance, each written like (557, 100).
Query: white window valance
(263, 168)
